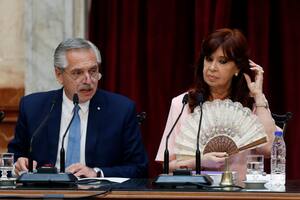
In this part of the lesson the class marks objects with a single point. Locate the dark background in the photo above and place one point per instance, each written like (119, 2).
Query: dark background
(149, 48)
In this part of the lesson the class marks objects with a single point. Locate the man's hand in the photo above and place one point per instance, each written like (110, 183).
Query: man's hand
(22, 165)
(81, 170)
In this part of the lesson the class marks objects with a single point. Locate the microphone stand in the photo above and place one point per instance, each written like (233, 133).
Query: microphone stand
(166, 153)
(198, 154)
(35, 133)
(166, 180)
(47, 176)
(62, 150)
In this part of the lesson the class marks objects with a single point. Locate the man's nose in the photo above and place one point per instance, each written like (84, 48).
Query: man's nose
(87, 77)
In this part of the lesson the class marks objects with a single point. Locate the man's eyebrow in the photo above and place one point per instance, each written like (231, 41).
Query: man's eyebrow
(80, 68)
(94, 66)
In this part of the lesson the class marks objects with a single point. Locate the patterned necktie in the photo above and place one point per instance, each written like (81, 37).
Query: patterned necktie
(73, 150)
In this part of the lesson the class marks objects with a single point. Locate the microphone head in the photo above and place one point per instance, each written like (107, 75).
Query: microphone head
(2, 115)
(75, 99)
(200, 98)
(185, 99)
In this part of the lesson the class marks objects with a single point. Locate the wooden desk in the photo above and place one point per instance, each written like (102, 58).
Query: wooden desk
(200, 195)
(150, 194)
(143, 189)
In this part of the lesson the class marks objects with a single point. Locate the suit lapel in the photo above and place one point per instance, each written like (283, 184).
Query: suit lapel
(95, 121)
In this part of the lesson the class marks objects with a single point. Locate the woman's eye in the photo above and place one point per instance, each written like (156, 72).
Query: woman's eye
(208, 58)
(223, 61)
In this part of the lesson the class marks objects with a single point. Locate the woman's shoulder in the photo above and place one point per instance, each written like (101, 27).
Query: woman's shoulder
(178, 99)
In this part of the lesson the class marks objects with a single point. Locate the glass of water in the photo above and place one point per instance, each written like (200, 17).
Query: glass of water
(255, 166)
(6, 164)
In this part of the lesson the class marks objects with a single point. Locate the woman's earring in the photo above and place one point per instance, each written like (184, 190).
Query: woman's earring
(236, 74)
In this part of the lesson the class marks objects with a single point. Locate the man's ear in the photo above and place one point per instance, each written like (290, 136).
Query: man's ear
(59, 75)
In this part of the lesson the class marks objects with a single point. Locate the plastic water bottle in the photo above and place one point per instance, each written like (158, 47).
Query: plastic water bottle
(278, 155)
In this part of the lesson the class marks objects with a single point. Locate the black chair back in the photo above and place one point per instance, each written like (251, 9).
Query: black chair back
(281, 120)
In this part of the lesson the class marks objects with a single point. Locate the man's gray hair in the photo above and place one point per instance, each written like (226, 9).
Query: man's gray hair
(69, 44)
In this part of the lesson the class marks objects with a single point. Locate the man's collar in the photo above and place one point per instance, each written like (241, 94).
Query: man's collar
(69, 104)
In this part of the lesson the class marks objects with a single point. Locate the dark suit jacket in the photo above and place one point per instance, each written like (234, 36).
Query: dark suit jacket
(113, 140)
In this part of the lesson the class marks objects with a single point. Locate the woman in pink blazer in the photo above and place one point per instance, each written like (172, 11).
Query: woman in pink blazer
(223, 71)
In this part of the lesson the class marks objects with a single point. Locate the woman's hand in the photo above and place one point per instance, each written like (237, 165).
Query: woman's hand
(256, 87)
(214, 160)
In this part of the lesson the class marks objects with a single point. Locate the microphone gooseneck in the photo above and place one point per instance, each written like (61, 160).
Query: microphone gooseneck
(166, 153)
(198, 154)
(183, 178)
(35, 133)
(62, 149)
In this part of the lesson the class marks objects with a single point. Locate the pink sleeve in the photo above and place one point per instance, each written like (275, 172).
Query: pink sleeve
(173, 114)
(254, 112)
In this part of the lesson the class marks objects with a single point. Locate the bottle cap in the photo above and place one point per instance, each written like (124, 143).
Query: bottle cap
(278, 133)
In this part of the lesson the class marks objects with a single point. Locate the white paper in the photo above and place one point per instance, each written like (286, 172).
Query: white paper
(111, 179)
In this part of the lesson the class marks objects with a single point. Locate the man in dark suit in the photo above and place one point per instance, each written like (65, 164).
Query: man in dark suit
(109, 141)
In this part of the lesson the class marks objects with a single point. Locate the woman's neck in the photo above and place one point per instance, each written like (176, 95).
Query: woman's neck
(219, 94)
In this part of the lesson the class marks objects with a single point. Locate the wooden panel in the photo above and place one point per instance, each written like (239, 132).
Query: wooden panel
(9, 103)
(149, 194)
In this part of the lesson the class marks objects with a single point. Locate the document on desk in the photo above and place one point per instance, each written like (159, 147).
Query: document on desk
(110, 179)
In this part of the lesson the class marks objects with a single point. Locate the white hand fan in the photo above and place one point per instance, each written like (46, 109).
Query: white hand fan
(226, 127)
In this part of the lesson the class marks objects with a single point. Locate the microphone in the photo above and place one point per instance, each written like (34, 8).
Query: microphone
(62, 150)
(166, 153)
(182, 178)
(198, 154)
(2, 115)
(48, 175)
(35, 133)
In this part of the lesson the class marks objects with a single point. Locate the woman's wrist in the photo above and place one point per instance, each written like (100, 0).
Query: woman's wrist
(261, 101)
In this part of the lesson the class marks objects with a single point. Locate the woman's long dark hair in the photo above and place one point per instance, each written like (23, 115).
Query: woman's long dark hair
(235, 48)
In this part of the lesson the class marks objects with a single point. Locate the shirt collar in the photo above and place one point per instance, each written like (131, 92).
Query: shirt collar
(69, 104)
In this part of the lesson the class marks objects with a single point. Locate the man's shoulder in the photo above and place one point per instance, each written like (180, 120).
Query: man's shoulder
(41, 96)
(113, 97)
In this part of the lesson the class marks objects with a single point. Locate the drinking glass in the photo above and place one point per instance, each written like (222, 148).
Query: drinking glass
(6, 164)
(255, 166)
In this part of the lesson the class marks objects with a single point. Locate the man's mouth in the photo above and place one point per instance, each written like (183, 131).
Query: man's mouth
(86, 90)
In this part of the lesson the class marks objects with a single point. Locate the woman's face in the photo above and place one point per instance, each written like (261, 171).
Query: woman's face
(218, 71)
